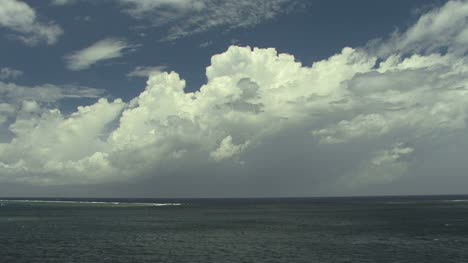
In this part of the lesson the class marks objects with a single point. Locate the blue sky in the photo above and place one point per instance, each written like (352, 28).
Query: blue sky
(299, 97)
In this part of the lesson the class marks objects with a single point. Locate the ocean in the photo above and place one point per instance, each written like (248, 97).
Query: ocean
(419, 229)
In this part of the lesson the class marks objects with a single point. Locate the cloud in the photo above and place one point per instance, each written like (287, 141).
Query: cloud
(206, 44)
(188, 17)
(45, 93)
(9, 73)
(138, 8)
(21, 19)
(6, 110)
(15, 98)
(18, 101)
(61, 2)
(444, 27)
(385, 166)
(146, 71)
(83, 130)
(263, 121)
(104, 49)
(227, 149)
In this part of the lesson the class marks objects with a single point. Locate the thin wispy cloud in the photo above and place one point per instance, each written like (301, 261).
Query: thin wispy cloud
(444, 27)
(139, 8)
(188, 17)
(12, 92)
(105, 49)
(146, 71)
(24, 24)
(62, 2)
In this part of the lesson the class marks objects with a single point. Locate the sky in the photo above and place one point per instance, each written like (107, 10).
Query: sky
(220, 98)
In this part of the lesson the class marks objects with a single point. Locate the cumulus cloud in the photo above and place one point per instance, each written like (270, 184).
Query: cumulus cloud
(355, 119)
(227, 149)
(104, 49)
(74, 146)
(6, 110)
(22, 20)
(9, 73)
(187, 17)
(19, 100)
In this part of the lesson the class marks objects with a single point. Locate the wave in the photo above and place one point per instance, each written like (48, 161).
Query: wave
(457, 200)
(89, 202)
(427, 201)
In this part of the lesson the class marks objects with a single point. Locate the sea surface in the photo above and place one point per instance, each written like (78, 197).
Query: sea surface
(420, 229)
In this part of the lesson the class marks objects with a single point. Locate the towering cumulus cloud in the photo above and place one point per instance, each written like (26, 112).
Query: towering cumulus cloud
(363, 116)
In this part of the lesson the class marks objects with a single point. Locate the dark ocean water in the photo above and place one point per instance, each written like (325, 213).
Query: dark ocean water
(385, 229)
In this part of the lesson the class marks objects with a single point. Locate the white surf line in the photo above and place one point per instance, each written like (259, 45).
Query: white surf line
(166, 204)
(89, 202)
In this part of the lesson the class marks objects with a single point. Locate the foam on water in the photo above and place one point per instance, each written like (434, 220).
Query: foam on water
(88, 202)
(426, 201)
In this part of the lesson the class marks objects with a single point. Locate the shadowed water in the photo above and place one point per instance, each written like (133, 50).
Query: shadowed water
(385, 229)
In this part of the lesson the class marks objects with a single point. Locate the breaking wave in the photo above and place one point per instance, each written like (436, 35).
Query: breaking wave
(112, 203)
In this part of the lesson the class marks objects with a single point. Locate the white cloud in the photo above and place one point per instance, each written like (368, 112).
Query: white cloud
(9, 73)
(206, 44)
(146, 71)
(349, 119)
(227, 149)
(21, 19)
(5, 107)
(16, 99)
(72, 148)
(62, 2)
(140, 7)
(187, 17)
(104, 49)
(444, 27)
(45, 93)
(385, 166)
(6, 110)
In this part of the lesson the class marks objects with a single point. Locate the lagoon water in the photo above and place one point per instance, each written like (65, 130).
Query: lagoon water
(372, 229)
